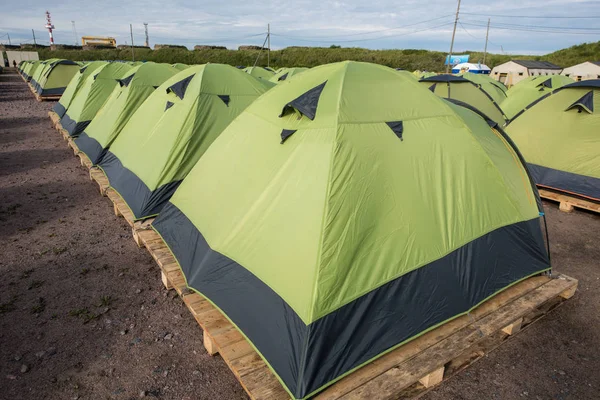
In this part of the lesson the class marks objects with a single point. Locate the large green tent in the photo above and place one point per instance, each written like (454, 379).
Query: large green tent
(260, 72)
(88, 100)
(76, 83)
(529, 90)
(347, 212)
(139, 83)
(55, 77)
(37, 74)
(559, 136)
(172, 129)
(285, 73)
(34, 66)
(495, 89)
(466, 91)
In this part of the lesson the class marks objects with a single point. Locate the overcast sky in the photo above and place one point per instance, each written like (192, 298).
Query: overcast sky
(381, 24)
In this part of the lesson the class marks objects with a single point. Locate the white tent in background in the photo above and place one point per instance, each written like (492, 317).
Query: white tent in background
(470, 67)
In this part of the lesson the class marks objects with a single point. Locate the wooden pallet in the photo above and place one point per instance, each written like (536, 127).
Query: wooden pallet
(98, 176)
(568, 202)
(55, 119)
(405, 372)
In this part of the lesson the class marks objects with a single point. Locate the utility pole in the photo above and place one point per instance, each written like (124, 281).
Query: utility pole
(269, 45)
(487, 34)
(34, 42)
(9, 43)
(452, 42)
(132, 52)
(147, 44)
(74, 33)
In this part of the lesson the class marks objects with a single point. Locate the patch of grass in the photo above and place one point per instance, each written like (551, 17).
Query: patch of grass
(105, 301)
(9, 305)
(27, 273)
(59, 250)
(84, 314)
(35, 285)
(39, 307)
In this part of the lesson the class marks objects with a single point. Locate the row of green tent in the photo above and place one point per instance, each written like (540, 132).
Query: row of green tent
(331, 217)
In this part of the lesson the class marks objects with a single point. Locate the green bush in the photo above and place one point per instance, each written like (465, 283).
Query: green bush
(408, 59)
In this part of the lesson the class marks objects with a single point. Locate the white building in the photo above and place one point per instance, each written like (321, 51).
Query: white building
(514, 71)
(583, 71)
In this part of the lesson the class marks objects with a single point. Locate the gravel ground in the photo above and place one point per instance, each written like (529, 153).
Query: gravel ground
(83, 314)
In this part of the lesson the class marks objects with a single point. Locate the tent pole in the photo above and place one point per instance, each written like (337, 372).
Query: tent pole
(452, 42)
(487, 34)
(34, 43)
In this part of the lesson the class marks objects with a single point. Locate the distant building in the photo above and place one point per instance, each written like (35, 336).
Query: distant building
(514, 71)
(583, 71)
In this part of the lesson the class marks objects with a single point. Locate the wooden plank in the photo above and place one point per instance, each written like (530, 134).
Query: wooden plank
(567, 201)
(433, 378)
(209, 344)
(97, 175)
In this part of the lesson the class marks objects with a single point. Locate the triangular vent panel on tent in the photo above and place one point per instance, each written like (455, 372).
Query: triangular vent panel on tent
(283, 77)
(585, 103)
(307, 103)
(125, 81)
(286, 133)
(169, 105)
(397, 127)
(180, 87)
(225, 98)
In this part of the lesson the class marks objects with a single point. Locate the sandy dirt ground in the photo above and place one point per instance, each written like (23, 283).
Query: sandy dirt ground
(83, 313)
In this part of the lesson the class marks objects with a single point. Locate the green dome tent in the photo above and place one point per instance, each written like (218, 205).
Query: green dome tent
(529, 90)
(54, 78)
(260, 72)
(37, 74)
(76, 83)
(495, 89)
(91, 96)
(461, 89)
(180, 66)
(133, 89)
(349, 211)
(559, 136)
(285, 73)
(172, 129)
(31, 72)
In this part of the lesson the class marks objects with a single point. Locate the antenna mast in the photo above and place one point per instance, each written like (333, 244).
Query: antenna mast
(147, 43)
(74, 32)
(50, 27)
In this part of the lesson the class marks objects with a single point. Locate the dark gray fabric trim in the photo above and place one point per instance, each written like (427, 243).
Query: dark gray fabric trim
(547, 83)
(308, 357)
(168, 105)
(567, 181)
(142, 201)
(589, 83)
(397, 127)
(445, 78)
(73, 127)
(51, 92)
(90, 147)
(59, 109)
(432, 87)
(306, 103)
(283, 77)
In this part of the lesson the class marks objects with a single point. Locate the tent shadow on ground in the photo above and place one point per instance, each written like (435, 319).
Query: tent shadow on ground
(21, 211)
(18, 161)
(18, 122)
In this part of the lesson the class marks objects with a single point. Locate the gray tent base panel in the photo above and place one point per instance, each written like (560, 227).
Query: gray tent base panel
(582, 185)
(90, 147)
(143, 202)
(368, 326)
